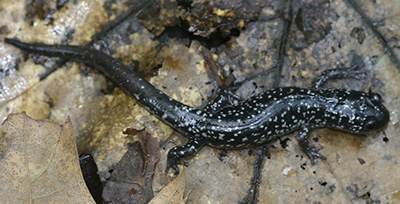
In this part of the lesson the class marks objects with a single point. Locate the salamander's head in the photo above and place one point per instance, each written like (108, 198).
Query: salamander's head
(358, 112)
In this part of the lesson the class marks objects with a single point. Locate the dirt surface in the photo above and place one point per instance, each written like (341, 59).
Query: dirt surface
(189, 49)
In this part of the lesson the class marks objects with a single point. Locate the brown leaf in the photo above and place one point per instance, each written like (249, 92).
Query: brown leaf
(173, 193)
(132, 177)
(39, 163)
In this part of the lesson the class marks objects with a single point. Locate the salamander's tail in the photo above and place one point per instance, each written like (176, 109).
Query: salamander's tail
(16, 43)
(24, 46)
(68, 51)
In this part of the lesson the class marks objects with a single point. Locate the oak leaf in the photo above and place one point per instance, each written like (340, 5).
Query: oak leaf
(39, 163)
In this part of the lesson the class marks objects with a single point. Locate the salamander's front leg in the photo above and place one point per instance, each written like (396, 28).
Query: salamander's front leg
(310, 150)
(339, 73)
(180, 152)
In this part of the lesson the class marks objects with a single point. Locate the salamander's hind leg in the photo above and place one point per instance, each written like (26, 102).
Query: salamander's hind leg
(310, 150)
(337, 74)
(224, 98)
(180, 152)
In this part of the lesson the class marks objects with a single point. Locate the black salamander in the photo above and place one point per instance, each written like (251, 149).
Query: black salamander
(260, 119)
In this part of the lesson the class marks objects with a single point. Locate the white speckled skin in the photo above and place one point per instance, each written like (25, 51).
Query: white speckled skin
(256, 121)
(280, 111)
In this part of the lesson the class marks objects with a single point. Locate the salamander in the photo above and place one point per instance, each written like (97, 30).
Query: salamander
(258, 120)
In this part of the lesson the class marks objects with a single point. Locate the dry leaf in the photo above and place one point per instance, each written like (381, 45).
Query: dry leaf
(173, 193)
(132, 177)
(39, 163)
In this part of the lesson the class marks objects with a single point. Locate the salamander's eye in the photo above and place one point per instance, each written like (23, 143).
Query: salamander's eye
(370, 123)
(376, 97)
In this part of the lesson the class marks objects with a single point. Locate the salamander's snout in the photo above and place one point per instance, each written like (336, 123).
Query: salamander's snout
(378, 116)
(359, 113)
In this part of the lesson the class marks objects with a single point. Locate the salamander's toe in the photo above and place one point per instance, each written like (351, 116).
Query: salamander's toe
(313, 154)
